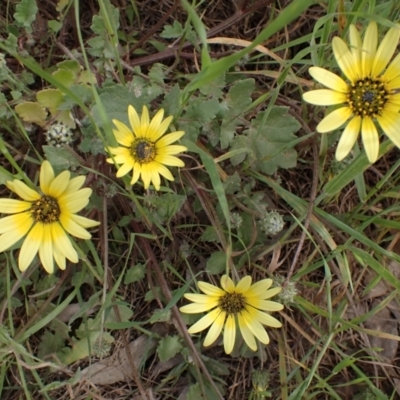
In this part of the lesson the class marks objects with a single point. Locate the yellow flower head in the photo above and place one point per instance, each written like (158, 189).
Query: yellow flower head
(45, 217)
(368, 96)
(244, 304)
(144, 148)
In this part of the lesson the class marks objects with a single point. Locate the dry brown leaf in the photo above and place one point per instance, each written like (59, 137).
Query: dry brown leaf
(116, 368)
(383, 322)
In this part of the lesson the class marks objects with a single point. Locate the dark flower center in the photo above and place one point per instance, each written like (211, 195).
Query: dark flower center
(46, 210)
(367, 97)
(143, 151)
(232, 303)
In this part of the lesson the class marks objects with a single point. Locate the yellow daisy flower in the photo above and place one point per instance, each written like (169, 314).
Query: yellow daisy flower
(368, 96)
(144, 148)
(45, 217)
(244, 304)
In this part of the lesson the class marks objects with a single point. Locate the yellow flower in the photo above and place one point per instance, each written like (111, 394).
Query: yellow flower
(244, 304)
(45, 217)
(369, 95)
(144, 148)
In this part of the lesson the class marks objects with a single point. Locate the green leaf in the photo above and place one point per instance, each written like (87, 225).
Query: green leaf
(54, 25)
(83, 348)
(157, 73)
(166, 206)
(16, 94)
(50, 98)
(5, 176)
(198, 114)
(172, 31)
(117, 98)
(31, 111)
(50, 343)
(160, 316)
(26, 12)
(168, 347)
(271, 140)
(232, 183)
(99, 27)
(237, 100)
(66, 77)
(171, 101)
(210, 235)
(61, 5)
(125, 313)
(216, 264)
(70, 65)
(214, 88)
(135, 273)
(61, 158)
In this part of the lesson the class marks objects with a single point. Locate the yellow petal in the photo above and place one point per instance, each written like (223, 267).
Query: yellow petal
(153, 132)
(200, 298)
(324, 97)
(59, 184)
(170, 138)
(210, 290)
(198, 308)
(345, 59)
(369, 48)
(171, 150)
(134, 120)
(348, 138)
(59, 259)
(24, 191)
(370, 139)
(243, 285)
(155, 178)
(46, 176)
(75, 202)
(265, 305)
(355, 47)
(227, 284)
(393, 71)
(385, 51)
(334, 120)
(62, 244)
(125, 169)
(161, 129)
(46, 250)
(204, 322)
(136, 174)
(259, 289)
(169, 160)
(20, 223)
(75, 184)
(144, 122)
(328, 79)
(246, 333)
(255, 327)
(146, 176)
(123, 134)
(266, 319)
(85, 222)
(229, 334)
(12, 206)
(165, 172)
(120, 151)
(215, 329)
(390, 123)
(72, 227)
(30, 246)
